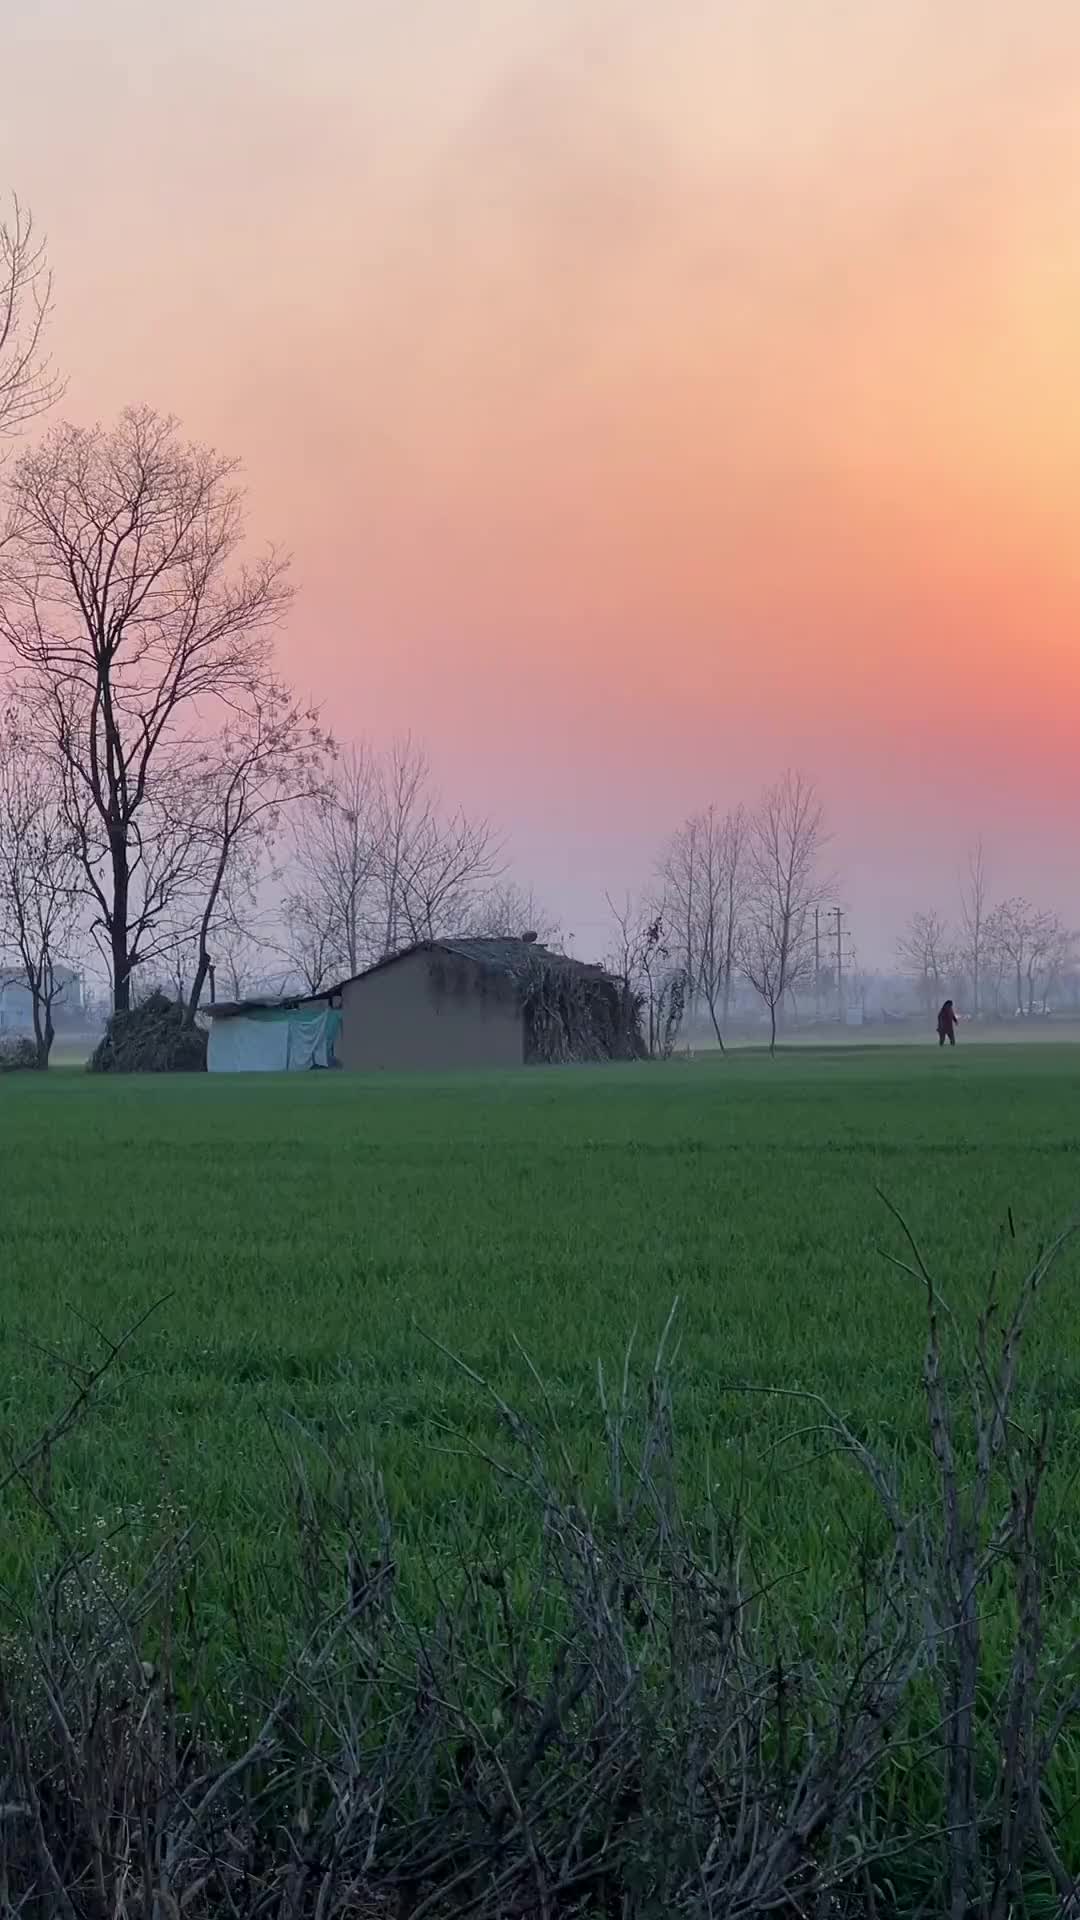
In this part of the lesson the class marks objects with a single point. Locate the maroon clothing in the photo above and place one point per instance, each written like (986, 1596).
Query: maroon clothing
(946, 1024)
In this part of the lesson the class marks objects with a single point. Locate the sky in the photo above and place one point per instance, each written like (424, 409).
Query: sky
(651, 395)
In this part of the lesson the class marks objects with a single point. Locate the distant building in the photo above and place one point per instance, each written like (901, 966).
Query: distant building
(17, 1006)
(483, 1003)
(440, 1005)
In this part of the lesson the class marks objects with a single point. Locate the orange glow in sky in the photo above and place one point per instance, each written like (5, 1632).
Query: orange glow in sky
(651, 394)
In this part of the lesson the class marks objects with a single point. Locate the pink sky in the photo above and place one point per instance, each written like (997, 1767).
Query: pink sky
(650, 394)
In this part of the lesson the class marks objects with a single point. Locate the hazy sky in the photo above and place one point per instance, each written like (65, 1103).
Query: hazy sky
(652, 392)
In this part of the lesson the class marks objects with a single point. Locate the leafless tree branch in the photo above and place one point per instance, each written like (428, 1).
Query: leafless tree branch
(133, 619)
(786, 839)
(29, 384)
(40, 895)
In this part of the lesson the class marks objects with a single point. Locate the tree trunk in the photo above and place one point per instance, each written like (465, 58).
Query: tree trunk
(772, 1029)
(201, 970)
(43, 1030)
(44, 1045)
(118, 928)
(204, 964)
(716, 1023)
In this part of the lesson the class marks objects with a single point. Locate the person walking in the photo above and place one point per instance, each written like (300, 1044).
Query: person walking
(946, 1025)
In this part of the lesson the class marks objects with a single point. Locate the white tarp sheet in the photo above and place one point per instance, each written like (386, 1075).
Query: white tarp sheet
(309, 1040)
(247, 1046)
(293, 1041)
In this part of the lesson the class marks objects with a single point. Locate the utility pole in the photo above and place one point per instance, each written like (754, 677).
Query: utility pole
(817, 963)
(838, 913)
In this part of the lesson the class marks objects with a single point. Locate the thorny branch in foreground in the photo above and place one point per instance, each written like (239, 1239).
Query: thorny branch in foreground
(595, 1707)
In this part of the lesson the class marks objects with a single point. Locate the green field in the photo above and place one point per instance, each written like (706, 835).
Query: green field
(316, 1235)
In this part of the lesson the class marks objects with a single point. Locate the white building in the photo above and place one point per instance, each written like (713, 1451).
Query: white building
(17, 1007)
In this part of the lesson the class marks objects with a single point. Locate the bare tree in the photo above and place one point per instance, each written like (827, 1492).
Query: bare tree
(270, 754)
(651, 972)
(132, 619)
(247, 952)
(680, 882)
(376, 865)
(706, 882)
(785, 841)
(403, 805)
(431, 865)
(1037, 948)
(995, 966)
(733, 894)
(1054, 962)
(1026, 936)
(28, 382)
(505, 911)
(447, 861)
(336, 864)
(39, 875)
(311, 935)
(924, 953)
(973, 914)
(766, 960)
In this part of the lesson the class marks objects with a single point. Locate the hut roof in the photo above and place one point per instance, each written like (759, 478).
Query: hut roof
(520, 961)
(263, 1003)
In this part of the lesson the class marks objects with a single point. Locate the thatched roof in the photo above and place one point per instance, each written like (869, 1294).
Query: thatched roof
(515, 960)
(571, 1010)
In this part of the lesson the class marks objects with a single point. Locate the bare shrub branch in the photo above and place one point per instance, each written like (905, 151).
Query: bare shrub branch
(592, 1707)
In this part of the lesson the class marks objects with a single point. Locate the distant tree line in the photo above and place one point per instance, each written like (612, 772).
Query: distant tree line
(732, 900)
(998, 958)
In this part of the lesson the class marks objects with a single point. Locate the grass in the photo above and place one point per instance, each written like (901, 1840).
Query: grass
(320, 1238)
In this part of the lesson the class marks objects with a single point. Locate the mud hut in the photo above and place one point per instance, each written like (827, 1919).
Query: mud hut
(488, 1002)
